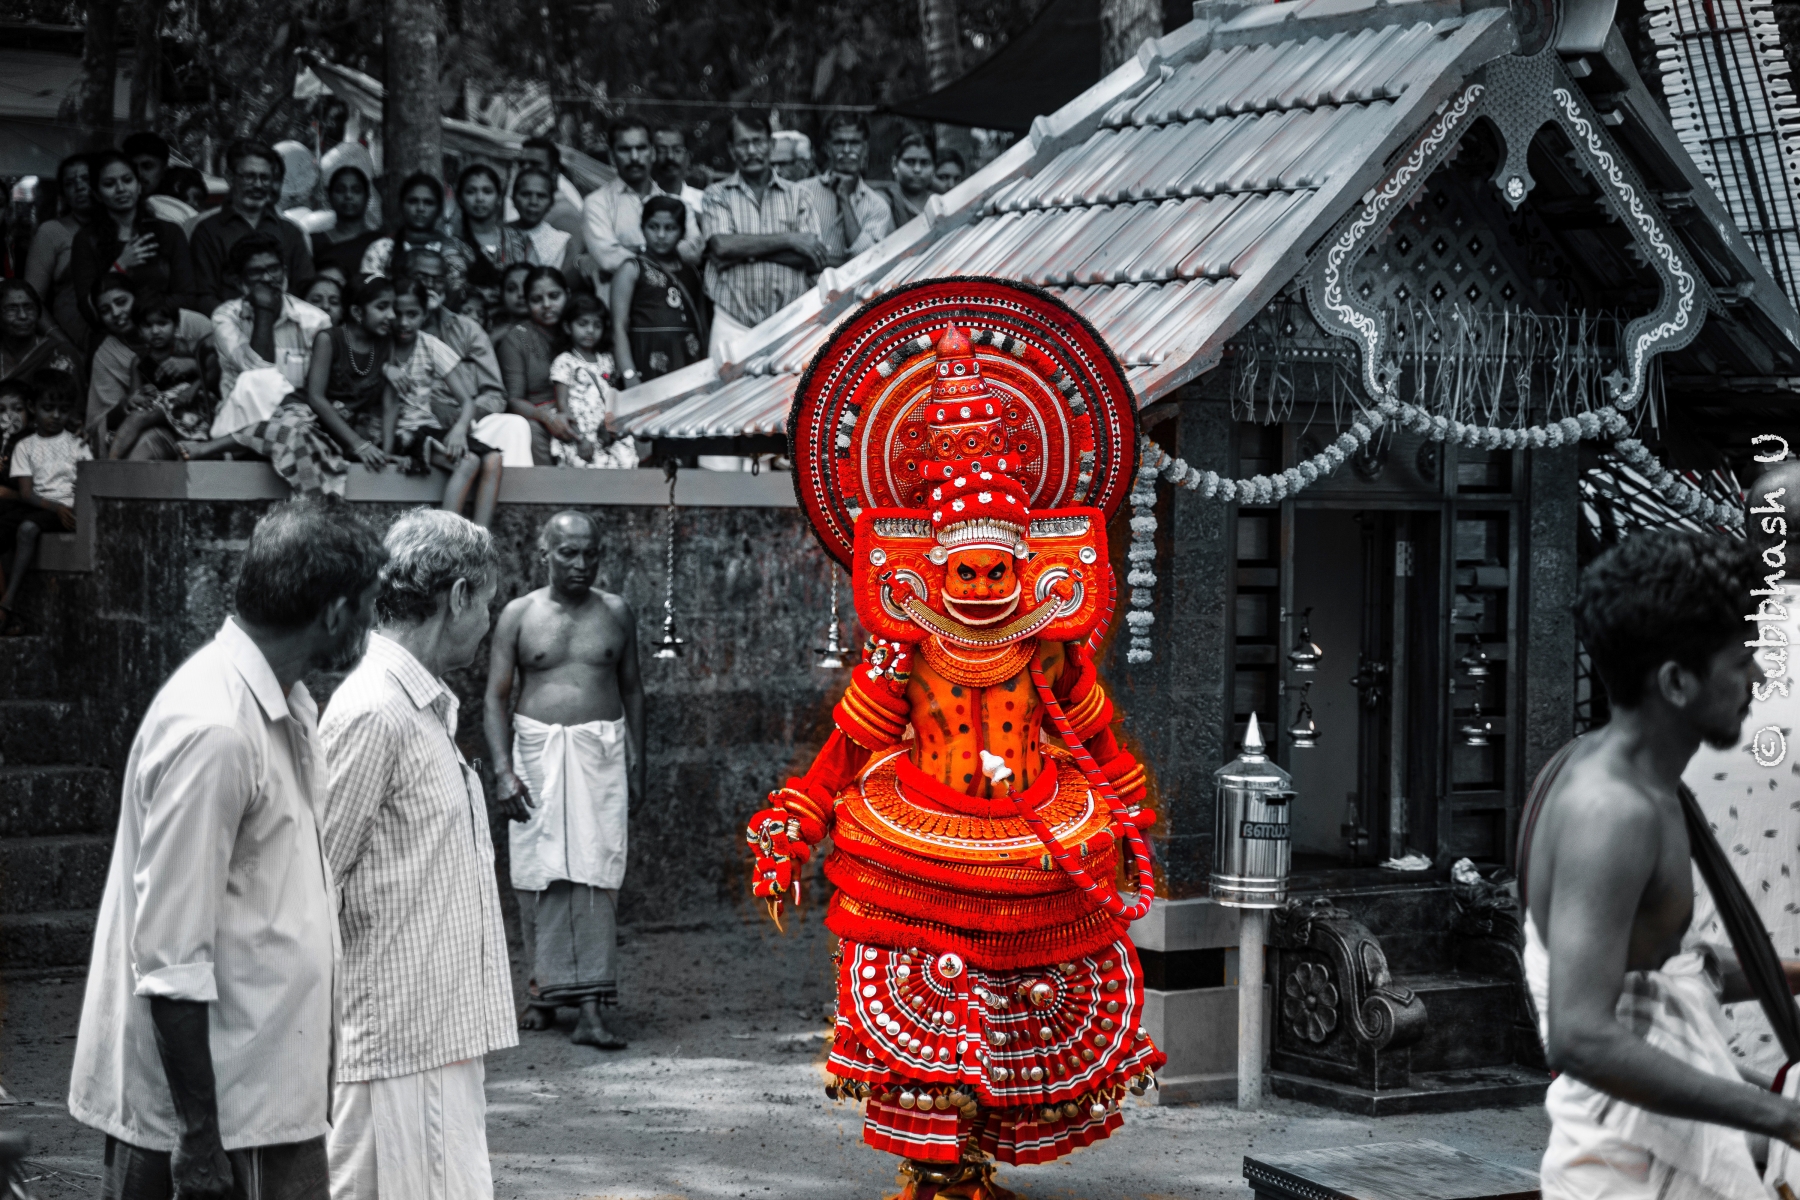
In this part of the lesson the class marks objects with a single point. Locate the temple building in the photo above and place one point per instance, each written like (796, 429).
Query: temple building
(1429, 297)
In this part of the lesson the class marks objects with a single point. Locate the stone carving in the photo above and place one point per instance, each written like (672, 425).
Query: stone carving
(1309, 1002)
(1378, 1012)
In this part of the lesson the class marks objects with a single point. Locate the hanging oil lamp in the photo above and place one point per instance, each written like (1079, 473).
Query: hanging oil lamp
(1306, 654)
(1304, 732)
(1474, 663)
(833, 650)
(1476, 731)
(669, 646)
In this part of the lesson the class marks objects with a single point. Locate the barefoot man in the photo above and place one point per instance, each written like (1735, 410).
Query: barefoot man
(568, 764)
(1649, 1102)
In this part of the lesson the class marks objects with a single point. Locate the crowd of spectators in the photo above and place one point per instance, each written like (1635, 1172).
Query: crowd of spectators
(488, 324)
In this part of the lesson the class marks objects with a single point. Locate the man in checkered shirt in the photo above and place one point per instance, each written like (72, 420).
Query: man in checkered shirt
(425, 989)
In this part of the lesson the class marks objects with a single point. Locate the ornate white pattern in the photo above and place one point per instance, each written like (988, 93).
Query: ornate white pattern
(1627, 391)
(1375, 212)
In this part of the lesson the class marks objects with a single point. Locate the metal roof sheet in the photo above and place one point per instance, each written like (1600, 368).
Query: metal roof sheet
(1152, 215)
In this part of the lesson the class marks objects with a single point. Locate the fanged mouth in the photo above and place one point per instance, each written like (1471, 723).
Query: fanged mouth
(984, 612)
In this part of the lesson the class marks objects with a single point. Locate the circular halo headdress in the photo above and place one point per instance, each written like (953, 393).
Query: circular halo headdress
(859, 430)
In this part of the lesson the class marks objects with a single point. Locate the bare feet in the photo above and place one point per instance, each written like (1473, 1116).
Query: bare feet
(590, 1030)
(535, 1019)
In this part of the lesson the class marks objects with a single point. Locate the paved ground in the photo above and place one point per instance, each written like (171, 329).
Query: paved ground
(719, 1096)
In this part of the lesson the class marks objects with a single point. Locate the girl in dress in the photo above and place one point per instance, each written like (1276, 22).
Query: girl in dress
(584, 391)
(659, 310)
(428, 410)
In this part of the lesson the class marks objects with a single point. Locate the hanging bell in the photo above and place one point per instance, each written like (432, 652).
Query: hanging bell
(1478, 728)
(669, 646)
(1306, 654)
(1474, 663)
(832, 652)
(1303, 731)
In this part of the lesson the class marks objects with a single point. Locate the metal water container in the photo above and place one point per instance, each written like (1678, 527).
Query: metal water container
(1251, 839)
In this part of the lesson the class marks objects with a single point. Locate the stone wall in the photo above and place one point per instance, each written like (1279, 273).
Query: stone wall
(743, 705)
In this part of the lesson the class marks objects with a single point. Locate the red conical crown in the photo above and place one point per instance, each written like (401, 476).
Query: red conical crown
(963, 414)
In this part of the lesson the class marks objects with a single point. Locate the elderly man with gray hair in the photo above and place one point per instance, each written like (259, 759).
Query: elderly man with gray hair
(424, 987)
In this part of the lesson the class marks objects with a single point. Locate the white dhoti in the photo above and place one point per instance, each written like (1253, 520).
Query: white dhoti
(1602, 1148)
(509, 433)
(415, 1137)
(252, 400)
(569, 858)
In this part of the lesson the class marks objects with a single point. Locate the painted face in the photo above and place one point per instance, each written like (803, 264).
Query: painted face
(980, 585)
(545, 303)
(327, 295)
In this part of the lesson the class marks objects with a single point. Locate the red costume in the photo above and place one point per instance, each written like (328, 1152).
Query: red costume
(960, 445)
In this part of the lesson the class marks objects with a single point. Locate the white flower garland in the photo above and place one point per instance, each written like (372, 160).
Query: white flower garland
(1154, 461)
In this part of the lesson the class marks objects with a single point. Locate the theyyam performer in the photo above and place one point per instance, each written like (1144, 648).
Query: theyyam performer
(960, 444)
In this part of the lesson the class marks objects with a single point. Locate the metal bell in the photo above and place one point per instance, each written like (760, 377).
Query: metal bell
(1306, 654)
(1304, 732)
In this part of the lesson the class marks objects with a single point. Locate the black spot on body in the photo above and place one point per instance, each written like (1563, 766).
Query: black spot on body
(962, 729)
(1006, 727)
(956, 689)
(968, 779)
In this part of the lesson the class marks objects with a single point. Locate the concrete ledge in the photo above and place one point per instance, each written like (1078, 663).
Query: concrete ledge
(1198, 1030)
(549, 486)
(1174, 925)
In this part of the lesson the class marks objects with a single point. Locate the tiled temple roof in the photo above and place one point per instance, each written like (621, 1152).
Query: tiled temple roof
(1168, 204)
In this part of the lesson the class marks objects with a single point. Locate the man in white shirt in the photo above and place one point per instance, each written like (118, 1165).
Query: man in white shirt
(427, 989)
(613, 214)
(1750, 792)
(205, 1046)
(265, 329)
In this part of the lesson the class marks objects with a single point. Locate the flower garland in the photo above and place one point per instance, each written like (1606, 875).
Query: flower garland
(1154, 461)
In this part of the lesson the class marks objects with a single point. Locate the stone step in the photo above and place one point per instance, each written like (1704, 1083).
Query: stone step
(27, 668)
(48, 874)
(34, 732)
(1428, 1092)
(1471, 1020)
(51, 801)
(33, 941)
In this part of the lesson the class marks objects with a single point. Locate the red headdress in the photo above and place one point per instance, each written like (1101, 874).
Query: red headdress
(964, 412)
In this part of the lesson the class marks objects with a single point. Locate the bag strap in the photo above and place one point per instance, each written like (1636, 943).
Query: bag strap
(1749, 936)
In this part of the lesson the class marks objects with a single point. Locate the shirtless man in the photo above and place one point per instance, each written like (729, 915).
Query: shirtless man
(1610, 890)
(569, 766)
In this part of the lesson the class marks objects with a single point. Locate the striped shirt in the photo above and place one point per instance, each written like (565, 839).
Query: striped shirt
(751, 292)
(424, 980)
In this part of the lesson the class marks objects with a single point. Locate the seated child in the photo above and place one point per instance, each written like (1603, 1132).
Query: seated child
(171, 399)
(585, 392)
(428, 409)
(41, 472)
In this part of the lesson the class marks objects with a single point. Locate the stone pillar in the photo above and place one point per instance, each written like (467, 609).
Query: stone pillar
(1175, 707)
(1547, 679)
